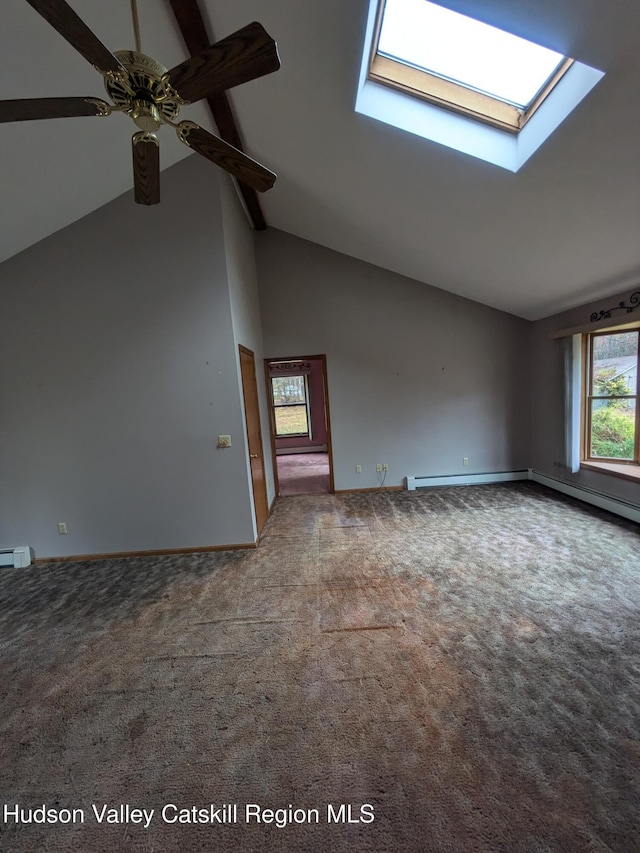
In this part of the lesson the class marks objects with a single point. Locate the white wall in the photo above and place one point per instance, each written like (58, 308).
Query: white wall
(548, 399)
(245, 310)
(418, 378)
(117, 373)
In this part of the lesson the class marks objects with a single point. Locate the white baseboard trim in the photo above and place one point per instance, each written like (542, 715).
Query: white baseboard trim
(413, 483)
(582, 493)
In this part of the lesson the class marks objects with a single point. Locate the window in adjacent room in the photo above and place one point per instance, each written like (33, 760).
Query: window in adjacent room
(463, 64)
(290, 405)
(612, 428)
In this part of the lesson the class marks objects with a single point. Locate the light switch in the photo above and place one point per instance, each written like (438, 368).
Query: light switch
(224, 441)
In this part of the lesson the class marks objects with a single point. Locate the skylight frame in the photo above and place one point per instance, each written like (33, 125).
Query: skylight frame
(451, 95)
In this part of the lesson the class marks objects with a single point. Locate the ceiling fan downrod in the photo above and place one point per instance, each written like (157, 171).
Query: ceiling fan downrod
(136, 25)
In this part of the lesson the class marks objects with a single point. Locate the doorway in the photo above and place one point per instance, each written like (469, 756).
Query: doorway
(300, 425)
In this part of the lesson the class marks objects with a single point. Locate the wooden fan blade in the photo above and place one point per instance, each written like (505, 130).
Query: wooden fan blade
(146, 168)
(62, 18)
(226, 156)
(242, 56)
(36, 108)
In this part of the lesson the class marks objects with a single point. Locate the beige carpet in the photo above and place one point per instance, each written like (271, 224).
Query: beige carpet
(464, 662)
(303, 474)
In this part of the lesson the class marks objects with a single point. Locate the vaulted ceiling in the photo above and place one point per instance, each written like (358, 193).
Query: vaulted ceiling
(562, 231)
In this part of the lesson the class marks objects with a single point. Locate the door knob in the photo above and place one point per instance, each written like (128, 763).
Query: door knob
(253, 456)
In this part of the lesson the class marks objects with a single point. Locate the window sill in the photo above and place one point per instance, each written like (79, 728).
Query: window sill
(630, 471)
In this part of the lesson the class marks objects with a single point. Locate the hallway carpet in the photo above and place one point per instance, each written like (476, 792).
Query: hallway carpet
(443, 671)
(303, 474)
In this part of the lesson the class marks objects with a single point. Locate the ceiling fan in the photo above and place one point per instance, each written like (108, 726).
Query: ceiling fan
(152, 95)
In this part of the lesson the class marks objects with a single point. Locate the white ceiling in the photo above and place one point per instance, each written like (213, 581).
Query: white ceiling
(561, 232)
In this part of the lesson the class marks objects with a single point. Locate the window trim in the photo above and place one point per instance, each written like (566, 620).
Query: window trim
(628, 468)
(451, 95)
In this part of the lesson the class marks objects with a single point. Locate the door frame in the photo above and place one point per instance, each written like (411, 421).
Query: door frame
(327, 413)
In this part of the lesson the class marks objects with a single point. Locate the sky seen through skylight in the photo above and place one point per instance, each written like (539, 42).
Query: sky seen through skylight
(466, 51)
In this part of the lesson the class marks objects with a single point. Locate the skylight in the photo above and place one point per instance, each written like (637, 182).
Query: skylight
(458, 82)
(466, 51)
(463, 63)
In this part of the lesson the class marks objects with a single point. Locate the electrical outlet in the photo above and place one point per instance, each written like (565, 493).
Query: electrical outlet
(379, 468)
(358, 469)
(224, 441)
(465, 460)
(385, 467)
(62, 527)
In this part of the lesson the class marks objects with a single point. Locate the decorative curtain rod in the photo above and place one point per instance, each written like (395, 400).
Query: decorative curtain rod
(634, 301)
(289, 366)
(601, 318)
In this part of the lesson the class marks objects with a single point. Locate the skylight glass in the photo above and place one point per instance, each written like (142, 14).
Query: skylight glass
(465, 51)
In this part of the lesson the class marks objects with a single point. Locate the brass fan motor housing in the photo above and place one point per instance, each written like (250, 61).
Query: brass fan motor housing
(145, 94)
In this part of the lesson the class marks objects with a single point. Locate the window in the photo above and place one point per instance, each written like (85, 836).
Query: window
(612, 430)
(290, 405)
(463, 64)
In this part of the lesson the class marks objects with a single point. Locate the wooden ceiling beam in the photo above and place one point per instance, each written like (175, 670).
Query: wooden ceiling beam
(191, 24)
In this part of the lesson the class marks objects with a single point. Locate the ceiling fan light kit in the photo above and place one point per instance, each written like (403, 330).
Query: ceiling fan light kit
(151, 95)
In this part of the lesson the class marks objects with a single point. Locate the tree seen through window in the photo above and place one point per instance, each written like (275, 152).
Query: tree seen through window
(612, 409)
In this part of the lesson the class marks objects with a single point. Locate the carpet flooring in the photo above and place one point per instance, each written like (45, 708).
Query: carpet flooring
(303, 474)
(448, 670)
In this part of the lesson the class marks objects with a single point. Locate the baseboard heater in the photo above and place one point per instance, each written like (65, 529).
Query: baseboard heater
(582, 493)
(414, 483)
(591, 496)
(18, 558)
(289, 451)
